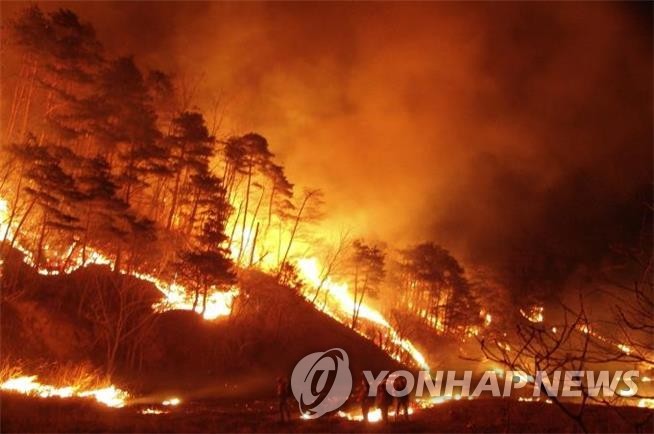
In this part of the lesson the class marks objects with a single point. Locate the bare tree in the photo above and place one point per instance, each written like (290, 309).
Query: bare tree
(333, 258)
(573, 344)
(535, 347)
(120, 312)
(308, 210)
(634, 310)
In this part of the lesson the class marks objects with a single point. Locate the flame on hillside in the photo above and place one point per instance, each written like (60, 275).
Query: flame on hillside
(341, 305)
(219, 303)
(536, 314)
(176, 297)
(110, 396)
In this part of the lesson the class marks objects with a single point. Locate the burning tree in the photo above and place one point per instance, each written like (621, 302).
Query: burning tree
(48, 188)
(101, 207)
(206, 266)
(435, 289)
(308, 210)
(189, 148)
(60, 57)
(367, 273)
(332, 259)
(246, 156)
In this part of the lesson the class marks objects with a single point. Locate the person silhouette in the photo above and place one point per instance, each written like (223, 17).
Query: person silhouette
(283, 394)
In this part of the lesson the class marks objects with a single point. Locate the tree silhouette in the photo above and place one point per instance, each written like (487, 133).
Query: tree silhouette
(52, 190)
(435, 287)
(206, 265)
(124, 124)
(367, 273)
(190, 147)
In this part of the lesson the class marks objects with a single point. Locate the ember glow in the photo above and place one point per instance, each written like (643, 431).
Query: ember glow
(374, 416)
(533, 314)
(171, 402)
(153, 411)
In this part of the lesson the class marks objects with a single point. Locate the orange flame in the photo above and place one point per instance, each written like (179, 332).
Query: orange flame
(110, 396)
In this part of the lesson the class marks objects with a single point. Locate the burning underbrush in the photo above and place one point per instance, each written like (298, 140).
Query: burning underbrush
(63, 381)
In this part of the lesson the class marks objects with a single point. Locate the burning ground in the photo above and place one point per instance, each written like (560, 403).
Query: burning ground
(162, 264)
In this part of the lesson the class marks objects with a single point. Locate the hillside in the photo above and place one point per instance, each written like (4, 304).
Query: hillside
(71, 319)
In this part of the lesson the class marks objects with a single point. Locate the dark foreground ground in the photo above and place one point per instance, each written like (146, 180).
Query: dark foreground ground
(23, 414)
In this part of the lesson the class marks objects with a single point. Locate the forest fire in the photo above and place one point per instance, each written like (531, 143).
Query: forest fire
(210, 237)
(219, 303)
(175, 296)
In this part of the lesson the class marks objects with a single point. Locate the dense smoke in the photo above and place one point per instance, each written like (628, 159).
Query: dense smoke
(501, 131)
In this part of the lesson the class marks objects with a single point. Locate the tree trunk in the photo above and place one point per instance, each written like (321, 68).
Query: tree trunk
(194, 210)
(270, 204)
(279, 241)
(358, 307)
(14, 208)
(86, 234)
(39, 248)
(254, 219)
(231, 235)
(28, 103)
(117, 263)
(204, 299)
(245, 213)
(154, 202)
(293, 232)
(356, 292)
(18, 96)
(64, 266)
(196, 298)
(173, 205)
(328, 271)
(20, 224)
(254, 244)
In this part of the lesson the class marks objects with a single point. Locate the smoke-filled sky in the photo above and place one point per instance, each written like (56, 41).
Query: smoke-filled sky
(492, 128)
